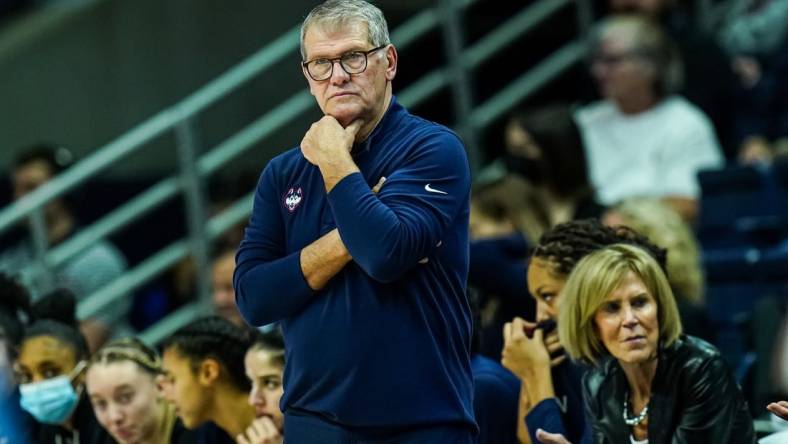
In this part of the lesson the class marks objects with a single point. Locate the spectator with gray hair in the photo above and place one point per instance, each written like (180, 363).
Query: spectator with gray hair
(358, 245)
(643, 139)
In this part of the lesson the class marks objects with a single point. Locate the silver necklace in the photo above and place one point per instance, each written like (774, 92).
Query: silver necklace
(635, 420)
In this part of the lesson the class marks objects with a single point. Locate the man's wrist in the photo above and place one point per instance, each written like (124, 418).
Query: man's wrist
(334, 172)
(341, 248)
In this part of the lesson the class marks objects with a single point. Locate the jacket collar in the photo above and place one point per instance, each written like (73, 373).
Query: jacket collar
(393, 115)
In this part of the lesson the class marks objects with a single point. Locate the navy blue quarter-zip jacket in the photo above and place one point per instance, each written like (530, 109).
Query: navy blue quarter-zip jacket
(386, 342)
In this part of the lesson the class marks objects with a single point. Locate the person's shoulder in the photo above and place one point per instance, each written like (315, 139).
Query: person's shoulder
(423, 128)
(600, 377)
(282, 166)
(695, 354)
(684, 113)
(291, 158)
(595, 112)
(102, 255)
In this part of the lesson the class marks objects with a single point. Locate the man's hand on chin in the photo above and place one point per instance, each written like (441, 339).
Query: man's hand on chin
(327, 145)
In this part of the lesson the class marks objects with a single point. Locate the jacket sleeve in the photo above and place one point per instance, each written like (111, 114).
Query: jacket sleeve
(269, 284)
(593, 410)
(389, 233)
(715, 408)
(546, 415)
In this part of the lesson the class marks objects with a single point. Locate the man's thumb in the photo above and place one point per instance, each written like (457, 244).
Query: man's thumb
(354, 128)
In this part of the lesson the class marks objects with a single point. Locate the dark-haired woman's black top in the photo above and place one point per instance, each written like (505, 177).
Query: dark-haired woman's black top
(182, 435)
(694, 399)
(87, 429)
(208, 433)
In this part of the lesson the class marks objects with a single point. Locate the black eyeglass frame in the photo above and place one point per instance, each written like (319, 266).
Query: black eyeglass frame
(305, 65)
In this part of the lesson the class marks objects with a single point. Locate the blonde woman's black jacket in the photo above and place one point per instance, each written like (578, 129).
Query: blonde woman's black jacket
(694, 399)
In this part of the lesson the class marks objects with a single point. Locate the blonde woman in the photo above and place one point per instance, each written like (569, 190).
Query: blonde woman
(649, 383)
(122, 386)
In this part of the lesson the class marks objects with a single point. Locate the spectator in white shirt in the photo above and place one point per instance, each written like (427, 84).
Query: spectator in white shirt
(642, 139)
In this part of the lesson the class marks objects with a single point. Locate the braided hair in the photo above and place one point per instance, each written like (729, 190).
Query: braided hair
(129, 349)
(214, 338)
(565, 244)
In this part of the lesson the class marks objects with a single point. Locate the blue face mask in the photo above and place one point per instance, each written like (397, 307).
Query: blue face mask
(51, 401)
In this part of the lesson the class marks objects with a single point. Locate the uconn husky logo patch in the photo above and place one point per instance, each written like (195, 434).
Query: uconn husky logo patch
(293, 198)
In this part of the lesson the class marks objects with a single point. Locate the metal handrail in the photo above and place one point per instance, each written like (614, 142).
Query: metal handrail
(528, 83)
(479, 52)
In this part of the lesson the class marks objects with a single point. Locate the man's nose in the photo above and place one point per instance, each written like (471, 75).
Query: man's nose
(338, 74)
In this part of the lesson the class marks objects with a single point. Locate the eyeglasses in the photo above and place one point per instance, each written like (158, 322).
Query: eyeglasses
(353, 62)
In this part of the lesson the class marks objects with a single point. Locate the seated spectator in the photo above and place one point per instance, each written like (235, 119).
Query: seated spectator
(50, 368)
(544, 147)
(550, 396)
(205, 379)
(619, 315)
(709, 81)
(663, 226)
(222, 287)
(500, 222)
(642, 139)
(506, 206)
(84, 273)
(121, 382)
(754, 33)
(265, 366)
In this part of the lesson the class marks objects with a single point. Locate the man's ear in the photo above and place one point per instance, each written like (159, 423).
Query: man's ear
(391, 58)
(208, 372)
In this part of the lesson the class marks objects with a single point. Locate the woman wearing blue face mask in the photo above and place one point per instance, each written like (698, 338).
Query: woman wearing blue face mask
(50, 369)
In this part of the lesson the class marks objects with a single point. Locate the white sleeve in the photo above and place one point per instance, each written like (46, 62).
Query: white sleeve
(693, 148)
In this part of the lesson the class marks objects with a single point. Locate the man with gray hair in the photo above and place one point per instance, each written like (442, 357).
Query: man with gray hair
(367, 278)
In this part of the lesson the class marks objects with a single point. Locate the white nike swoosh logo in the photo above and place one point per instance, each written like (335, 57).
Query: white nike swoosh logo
(433, 190)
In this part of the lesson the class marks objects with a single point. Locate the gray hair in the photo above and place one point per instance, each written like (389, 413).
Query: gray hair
(334, 14)
(650, 41)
